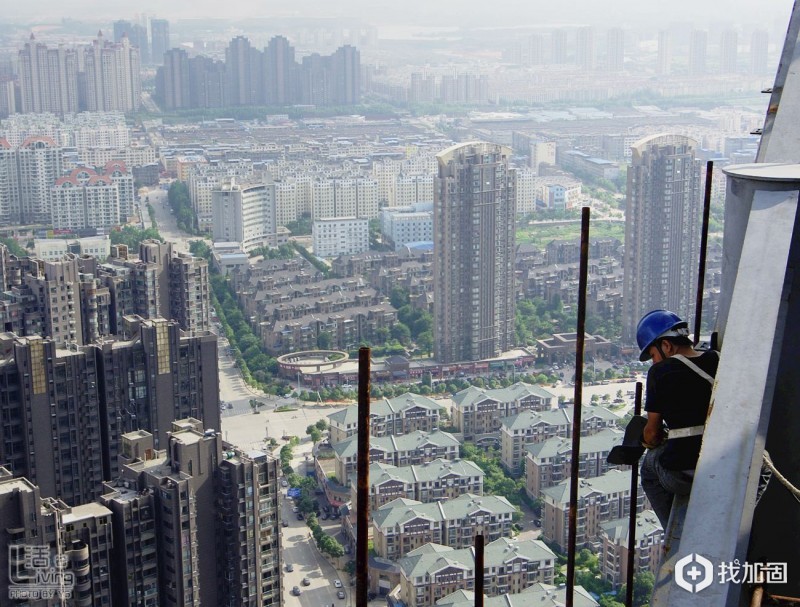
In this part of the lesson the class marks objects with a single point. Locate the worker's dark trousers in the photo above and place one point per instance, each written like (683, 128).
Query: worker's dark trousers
(661, 485)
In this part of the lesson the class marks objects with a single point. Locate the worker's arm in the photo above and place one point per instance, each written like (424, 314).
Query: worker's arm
(653, 433)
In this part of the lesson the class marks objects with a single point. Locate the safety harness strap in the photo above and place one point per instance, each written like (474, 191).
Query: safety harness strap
(691, 430)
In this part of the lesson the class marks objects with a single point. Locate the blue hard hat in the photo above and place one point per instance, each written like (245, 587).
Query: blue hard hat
(657, 324)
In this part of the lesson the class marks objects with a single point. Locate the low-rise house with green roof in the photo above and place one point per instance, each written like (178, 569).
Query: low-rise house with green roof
(440, 479)
(433, 571)
(549, 462)
(614, 551)
(477, 412)
(405, 450)
(404, 525)
(528, 427)
(538, 595)
(600, 500)
(400, 415)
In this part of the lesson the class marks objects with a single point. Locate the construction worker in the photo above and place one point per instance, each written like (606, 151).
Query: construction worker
(678, 395)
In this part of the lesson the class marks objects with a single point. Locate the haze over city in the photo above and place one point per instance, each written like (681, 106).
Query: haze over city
(209, 210)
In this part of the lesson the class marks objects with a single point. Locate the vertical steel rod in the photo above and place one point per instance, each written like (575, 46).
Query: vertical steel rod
(362, 473)
(637, 410)
(479, 570)
(701, 272)
(576, 416)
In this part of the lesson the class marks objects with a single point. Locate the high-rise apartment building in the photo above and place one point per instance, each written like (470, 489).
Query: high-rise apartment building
(281, 85)
(558, 46)
(244, 73)
(83, 199)
(474, 238)
(759, 49)
(729, 50)
(66, 409)
(100, 77)
(664, 59)
(698, 49)
(615, 49)
(662, 229)
(584, 48)
(38, 164)
(54, 430)
(136, 33)
(111, 79)
(244, 213)
(172, 82)
(159, 40)
(46, 536)
(48, 78)
(196, 522)
(346, 75)
(247, 505)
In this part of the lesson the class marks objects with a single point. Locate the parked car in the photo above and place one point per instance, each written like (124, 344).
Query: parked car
(285, 523)
(337, 583)
(324, 516)
(300, 516)
(289, 567)
(340, 594)
(306, 582)
(296, 591)
(284, 482)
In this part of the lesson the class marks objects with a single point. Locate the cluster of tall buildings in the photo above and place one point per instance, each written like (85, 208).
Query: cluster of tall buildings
(35, 188)
(253, 77)
(588, 49)
(114, 475)
(447, 88)
(80, 299)
(194, 522)
(152, 45)
(103, 76)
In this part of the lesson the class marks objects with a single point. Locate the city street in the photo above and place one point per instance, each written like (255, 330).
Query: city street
(298, 549)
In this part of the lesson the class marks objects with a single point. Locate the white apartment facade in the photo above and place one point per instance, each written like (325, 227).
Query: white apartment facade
(244, 213)
(340, 236)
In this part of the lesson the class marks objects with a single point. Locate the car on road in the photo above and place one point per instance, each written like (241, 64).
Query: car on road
(306, 582)
(295, 509)
(337, 584)
(324, 516)
(284, 482)
(289, 567)
(296, 591)
(285, 523)
(300, 516)
(340, 594)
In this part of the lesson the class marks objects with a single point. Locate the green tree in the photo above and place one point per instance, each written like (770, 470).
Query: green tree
(643, 584)
(399, 297)
(401, 333)
(324, 340)
(13, 247)
(321, 425)
(132, 237)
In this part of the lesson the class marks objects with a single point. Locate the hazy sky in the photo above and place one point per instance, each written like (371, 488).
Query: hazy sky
(626, 13)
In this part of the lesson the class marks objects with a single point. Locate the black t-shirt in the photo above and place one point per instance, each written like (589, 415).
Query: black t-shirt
(682, 397)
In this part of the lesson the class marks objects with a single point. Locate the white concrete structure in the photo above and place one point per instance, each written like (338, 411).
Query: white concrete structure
(408, 224)
(244, 213)
(527, 191)
(52, 249)
(340, 236)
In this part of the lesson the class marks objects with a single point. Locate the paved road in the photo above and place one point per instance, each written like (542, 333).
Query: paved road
(299, 550)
